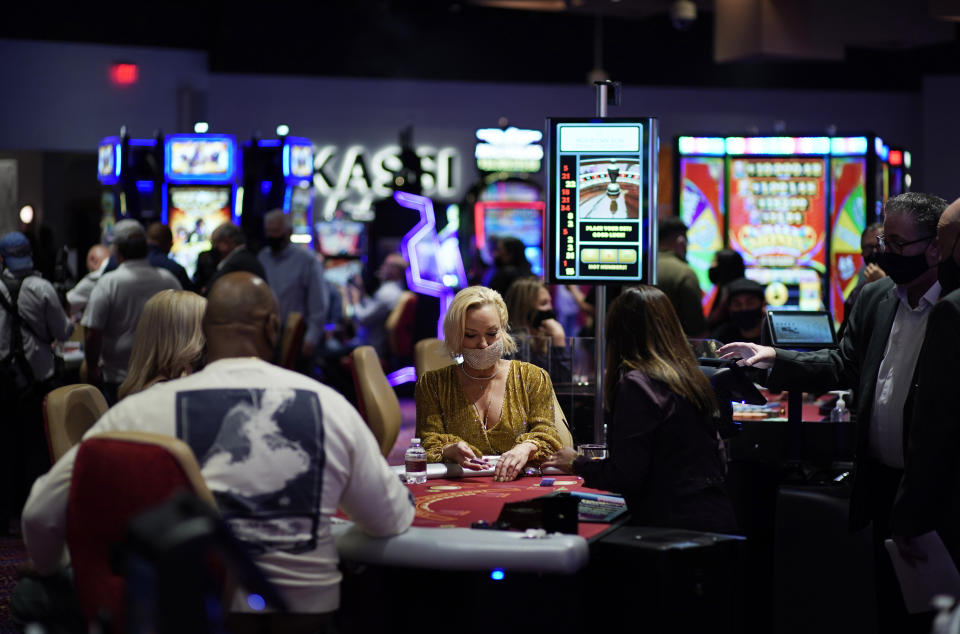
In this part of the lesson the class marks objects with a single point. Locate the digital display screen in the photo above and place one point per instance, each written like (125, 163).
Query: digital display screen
(520, 220)
(598, 188)
(193, 214)
(848, 219)
(796, 329)
(794, 288)
(702, 207)
(200, 158)
(299, 203)
(341, 238)
(298, 161)
(778, 211)
(108, 161)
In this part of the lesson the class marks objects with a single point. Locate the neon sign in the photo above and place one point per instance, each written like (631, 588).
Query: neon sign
(510, 150)
(353, 179)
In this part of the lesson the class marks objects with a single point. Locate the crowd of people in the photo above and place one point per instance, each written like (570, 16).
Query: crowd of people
(165, 349)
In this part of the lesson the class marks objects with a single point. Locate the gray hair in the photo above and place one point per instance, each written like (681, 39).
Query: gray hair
(273, 215)
(924, 209)
(130, 239)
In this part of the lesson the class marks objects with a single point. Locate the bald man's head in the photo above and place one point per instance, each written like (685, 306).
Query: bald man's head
(242, 317)
(948, 230)
(95, 257)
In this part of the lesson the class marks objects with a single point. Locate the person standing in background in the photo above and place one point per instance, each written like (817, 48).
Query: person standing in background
(30, 303)
(116, 302)
(296, 277)
(677, 279)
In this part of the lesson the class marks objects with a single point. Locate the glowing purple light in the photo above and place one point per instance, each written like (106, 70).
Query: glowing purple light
(423, 239)
(403, 375)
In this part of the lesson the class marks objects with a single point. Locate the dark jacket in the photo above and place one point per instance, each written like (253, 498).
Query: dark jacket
(664, 459)
(929, 496)
(158, 258)
(239, 260)
(854, 364)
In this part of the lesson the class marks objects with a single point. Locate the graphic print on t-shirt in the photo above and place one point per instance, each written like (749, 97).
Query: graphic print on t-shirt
(261, 453)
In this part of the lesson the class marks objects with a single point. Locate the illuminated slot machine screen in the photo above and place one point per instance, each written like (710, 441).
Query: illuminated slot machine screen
(341, 238)
(200, 158)
(702, 207)
(600, 200)
(299, 203)
(848, 219)
(193, 212)
(521, 220)
(777, 221)
(109, 161)
(297, 160)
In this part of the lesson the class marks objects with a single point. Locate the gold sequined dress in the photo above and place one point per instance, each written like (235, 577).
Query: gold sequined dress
(445, 415)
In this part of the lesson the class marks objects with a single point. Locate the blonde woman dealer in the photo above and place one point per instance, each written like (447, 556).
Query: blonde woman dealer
(485, 405)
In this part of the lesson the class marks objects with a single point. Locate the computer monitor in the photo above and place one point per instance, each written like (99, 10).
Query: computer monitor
(801, 329)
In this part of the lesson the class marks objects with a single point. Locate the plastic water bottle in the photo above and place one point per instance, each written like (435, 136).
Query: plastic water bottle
(840, 413)
(415, 463)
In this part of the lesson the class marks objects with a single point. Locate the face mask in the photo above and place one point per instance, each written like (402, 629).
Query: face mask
(746, 319)
(948, 274)
(903, 269)
(541, 316)
(714, 275)
(277, 244)
(483, 358)
(871, 258)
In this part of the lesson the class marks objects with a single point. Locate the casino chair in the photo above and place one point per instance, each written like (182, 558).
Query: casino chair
(292, 340)
(116, 476)
(68, 412)
(376, 399)
(431, 354)
(400, 325)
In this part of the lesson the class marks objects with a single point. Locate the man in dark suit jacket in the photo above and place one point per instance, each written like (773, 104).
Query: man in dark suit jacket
(929, 496)
(230, 241)
(876, 356)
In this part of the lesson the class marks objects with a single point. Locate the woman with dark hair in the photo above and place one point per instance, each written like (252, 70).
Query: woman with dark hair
(540, 338)
(727, 266)
(510, 262)
(665, 453)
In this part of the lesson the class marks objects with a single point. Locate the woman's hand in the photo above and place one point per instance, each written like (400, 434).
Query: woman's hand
(553, 329)
(462, 454)
(511, 462)
(562, 460)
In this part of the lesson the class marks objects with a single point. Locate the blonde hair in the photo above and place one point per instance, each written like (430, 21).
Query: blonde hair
(454, 322)
(169, 340)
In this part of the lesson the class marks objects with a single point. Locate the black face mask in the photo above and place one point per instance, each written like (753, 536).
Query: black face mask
(277, 244)
(871, 258)
(948, 274)
(746, 319)
(714, 274)
(541, 316)
(903, 269)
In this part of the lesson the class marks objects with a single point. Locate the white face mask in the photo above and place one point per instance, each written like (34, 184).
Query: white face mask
(483, 358)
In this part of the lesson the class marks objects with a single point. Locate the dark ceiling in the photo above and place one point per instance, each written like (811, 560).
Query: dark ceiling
(434, 39)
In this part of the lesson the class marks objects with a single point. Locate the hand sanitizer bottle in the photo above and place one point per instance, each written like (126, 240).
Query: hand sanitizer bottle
(840, 413)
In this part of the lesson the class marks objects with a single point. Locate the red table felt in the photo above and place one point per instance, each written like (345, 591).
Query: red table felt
(458, 502)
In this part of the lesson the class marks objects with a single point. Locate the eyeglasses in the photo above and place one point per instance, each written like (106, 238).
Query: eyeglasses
(885, 244)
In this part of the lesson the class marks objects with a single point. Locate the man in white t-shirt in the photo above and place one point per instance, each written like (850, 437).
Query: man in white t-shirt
(115, 305)
(280, 451)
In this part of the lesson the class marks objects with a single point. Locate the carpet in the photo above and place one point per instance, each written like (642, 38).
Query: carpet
(13, 554)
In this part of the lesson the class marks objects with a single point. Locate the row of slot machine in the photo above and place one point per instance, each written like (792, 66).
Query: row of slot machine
(793, 207)
(195, 182)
